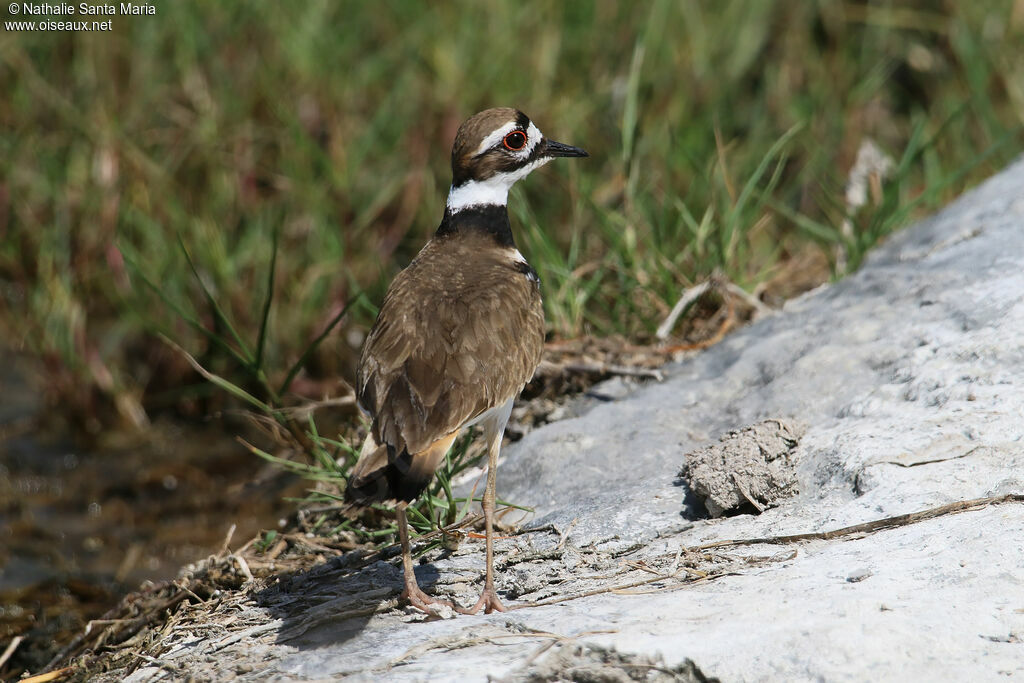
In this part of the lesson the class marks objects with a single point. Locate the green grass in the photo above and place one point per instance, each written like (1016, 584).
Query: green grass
(721, 135)
(330, 461)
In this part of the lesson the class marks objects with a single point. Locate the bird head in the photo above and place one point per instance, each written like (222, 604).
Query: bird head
(494, 149)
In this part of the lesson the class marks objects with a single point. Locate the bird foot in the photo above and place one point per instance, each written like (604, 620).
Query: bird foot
(421, 601)
(488, 601)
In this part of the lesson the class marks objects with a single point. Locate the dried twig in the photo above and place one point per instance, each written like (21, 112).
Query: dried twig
(932, 461)
(317, 618)
(227, 540)
(247, 633)
(132, 626)
(180, 585)
(244, 566)
(759, 306)
(548, 369)
(564, 536)
(746, 494)
(867, 527)
(609, 369)
(688, 297)
(873, 526)
(278, 548)
(48, 676)
(9, 650)
(612, 589)
(455, 642)
(166, 666)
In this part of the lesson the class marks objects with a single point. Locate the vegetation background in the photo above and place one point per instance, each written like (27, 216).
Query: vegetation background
(164, 178)
(721, 135)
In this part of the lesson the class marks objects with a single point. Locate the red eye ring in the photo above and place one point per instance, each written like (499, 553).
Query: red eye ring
(515, 141)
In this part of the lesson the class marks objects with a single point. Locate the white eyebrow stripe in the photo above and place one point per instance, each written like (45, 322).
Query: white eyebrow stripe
(533, 137)
(493, 139)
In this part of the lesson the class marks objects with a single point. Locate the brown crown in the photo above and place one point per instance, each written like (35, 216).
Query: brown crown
(466, 165)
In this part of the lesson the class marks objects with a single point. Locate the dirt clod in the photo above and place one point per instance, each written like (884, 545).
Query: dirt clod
(594, 664)
(753, 467)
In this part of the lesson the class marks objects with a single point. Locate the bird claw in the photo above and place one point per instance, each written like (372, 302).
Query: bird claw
(488, 601)
(423, 602)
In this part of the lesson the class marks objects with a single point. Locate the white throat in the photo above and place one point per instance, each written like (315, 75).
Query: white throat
(493, 191)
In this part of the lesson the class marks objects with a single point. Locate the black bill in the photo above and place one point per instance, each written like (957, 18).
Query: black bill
(557, 149)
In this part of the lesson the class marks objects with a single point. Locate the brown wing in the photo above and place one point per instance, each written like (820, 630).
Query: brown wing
(460, 331)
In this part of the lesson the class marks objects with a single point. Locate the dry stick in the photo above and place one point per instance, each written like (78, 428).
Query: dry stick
(227, 539)
(166, 666)
(759, 306)
(279, 547)
(244, 566)
(299, 629)
(48, 676)
(688, 297)
(925, 462)
(556, 640)
(608, 369)
(172, 622)
(644, 567)
(107, 618)
(875, 525)
(536, 633)
(248, 544)
(103, 622)
(609, 589)
(468, 520)
(140, 622)
(723, 328)
(11, 647)
(182, 587)
(242, 635)
(564, 536)
(449, 643)
(866, 527)
(548, 368)
(746, 494)
(300, 539)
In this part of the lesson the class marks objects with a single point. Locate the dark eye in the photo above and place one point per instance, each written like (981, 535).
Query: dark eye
(515, 140)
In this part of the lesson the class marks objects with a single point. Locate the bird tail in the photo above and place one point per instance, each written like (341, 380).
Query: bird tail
(381, 475)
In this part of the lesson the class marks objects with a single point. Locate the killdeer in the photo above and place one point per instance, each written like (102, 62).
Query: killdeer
(460, 332)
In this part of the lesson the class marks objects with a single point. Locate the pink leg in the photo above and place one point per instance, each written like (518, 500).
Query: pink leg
(412, 592)
(489, 598)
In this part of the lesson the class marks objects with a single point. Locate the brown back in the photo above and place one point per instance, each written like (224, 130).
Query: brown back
(461, 330)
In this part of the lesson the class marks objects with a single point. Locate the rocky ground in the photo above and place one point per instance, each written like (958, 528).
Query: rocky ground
(896, 555)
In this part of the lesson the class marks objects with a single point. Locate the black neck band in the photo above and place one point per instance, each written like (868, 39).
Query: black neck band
(491, 219)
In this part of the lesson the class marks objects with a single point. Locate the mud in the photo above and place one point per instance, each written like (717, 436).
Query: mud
(753, 467)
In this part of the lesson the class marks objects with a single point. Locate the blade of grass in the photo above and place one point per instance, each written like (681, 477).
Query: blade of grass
(315, 343)
(131, 262)
(269, 298)
(217, 310)
(734, 215)
(219, 381)
(821, 231)
(311, 472)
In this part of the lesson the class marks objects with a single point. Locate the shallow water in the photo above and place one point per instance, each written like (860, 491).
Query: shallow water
(79, 528)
